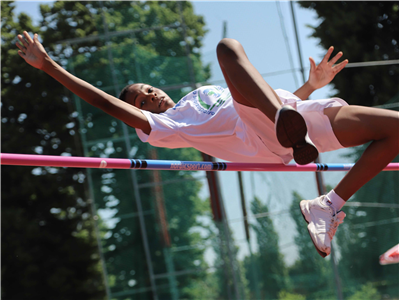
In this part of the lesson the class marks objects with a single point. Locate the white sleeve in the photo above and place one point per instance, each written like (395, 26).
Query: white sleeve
(164, 132)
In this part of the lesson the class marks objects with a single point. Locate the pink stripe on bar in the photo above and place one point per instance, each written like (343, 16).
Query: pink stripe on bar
(63, 161)
(124, 163)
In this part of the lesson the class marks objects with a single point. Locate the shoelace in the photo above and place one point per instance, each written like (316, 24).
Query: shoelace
(335, 221)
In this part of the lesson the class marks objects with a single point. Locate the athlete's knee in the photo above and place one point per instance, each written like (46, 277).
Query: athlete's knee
(228, 49)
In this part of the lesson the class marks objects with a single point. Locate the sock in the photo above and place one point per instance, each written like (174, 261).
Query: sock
(332, 199)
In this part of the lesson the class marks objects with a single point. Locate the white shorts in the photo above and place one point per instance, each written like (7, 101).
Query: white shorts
(319, 126)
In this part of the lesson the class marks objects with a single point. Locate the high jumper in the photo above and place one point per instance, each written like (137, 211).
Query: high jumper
(251, 122)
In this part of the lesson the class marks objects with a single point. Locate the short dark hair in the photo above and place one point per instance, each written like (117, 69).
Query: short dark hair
(124, 91)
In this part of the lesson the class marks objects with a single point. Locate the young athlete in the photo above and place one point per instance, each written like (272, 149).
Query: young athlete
(251, 122)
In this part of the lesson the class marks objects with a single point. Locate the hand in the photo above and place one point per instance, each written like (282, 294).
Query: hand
(325, 72)
(32, 51)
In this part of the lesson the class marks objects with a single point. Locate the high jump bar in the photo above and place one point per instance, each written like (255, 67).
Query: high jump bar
(177, 165)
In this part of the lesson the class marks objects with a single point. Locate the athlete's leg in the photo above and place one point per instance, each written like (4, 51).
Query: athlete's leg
(353, 126)
(249, 88)
(246, 84)
(356, 125)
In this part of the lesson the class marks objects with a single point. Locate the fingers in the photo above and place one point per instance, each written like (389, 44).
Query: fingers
(27, 37)
(327, 56)
(23, 41)
(21, 54)
(312, 64)
(335, 58)
(22, 48)
(340, 66)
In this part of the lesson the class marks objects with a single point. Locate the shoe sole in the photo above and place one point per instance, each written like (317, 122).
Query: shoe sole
(292, 133)
(322, 254)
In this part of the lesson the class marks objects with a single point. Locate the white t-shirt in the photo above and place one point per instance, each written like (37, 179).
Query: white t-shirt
(206, 119)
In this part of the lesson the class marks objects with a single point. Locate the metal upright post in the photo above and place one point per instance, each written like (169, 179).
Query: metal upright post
(246, 227)
(220, 216)
(91, 195)
(133, 172)
(319, 177)
(136, 64)
(164, 228)
(187, 48)
(224, 34)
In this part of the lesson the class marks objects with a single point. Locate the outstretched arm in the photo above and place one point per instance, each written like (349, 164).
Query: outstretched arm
(321, 74)
(32, 51)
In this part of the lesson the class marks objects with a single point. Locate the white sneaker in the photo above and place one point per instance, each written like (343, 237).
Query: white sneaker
(322, 222)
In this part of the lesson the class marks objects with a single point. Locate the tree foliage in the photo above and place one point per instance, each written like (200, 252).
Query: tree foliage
(268, 262)
(364, 31)
(48, 246)
(229, 276)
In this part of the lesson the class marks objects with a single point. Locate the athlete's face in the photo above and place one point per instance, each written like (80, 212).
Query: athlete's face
(148, 98)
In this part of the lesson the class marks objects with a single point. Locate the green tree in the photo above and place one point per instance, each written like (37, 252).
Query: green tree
(49, 250)
(367, 292)
(229, 276)
(284, 295)
(268, 261)
(363, 31)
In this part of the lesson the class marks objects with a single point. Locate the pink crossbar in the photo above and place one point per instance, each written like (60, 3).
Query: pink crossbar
(123, 163)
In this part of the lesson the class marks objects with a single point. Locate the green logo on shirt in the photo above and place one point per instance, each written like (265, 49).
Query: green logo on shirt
(203, 104)
(219, 101)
